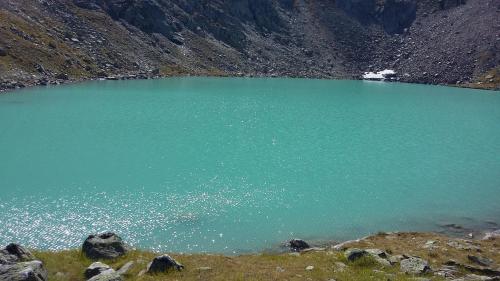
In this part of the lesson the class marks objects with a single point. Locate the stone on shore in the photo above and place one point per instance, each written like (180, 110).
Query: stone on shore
(23, 271)
(13, 253)
(380, 256)
(163, 263)
(110, 275)
(104, 246)
(492, 235)
(95, 269)
(354, 254)
(298, 245)
(414, 265)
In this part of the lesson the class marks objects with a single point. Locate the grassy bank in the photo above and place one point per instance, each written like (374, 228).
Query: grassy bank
(328, 263)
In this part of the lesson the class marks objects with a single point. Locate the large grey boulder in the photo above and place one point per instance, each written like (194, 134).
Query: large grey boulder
(414, 265)
(13, 253)
(163, 263)
(96, 268)
(23, 271)
(104, 246)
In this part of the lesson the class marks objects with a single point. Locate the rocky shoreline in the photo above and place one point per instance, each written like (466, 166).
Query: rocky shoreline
(384, 256)
(12, 85)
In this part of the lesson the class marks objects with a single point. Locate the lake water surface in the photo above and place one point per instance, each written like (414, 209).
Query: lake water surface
(235, 165)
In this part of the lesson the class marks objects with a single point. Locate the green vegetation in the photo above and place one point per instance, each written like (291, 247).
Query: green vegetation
(327, 263)
(70, 265)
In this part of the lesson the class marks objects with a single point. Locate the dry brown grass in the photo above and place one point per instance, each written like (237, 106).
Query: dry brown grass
(70, 265)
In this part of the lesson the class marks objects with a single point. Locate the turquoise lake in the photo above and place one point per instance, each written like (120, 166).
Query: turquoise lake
(238, 165)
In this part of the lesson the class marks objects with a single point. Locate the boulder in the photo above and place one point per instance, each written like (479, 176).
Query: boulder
(298, 245)
(23, 271)
(13, 253)
(354, 254)
(104, 246)
(414, 265)
(95, 269)
(163, 263)
(380, 256)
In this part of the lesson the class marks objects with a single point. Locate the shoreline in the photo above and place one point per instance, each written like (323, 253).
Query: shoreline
(402, 256)
(12, 86)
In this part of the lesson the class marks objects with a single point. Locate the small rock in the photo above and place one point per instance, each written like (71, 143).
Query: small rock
(13, 253)
(310, 268)
(354, 254)
(163, 263)
(280, 269)
(3, 52)
(62, 76)
(489, 76)
(480, 260)
(95, 269)
(414, 265)
(339, 266)
(23, 271)
(492, 235)
(298, 245)
(397, 258)
(110, 275)
(104, 246)
(447, 271)
(429, 244)
(125, 268)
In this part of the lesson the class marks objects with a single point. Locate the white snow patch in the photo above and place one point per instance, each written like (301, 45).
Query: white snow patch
(381, 75)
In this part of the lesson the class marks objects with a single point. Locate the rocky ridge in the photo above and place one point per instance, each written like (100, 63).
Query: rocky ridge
(424, 41)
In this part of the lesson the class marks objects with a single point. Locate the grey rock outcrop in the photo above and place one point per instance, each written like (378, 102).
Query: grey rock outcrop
(163, 263)
(414, 265)
(393, 15)
(23, 271)
(104, 246)
(13, 253)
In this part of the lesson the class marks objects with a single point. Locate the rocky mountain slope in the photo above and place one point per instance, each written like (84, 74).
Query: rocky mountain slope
(424, 41)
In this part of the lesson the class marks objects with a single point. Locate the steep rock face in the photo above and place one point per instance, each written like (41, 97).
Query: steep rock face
(222, 19)
(393, 15)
